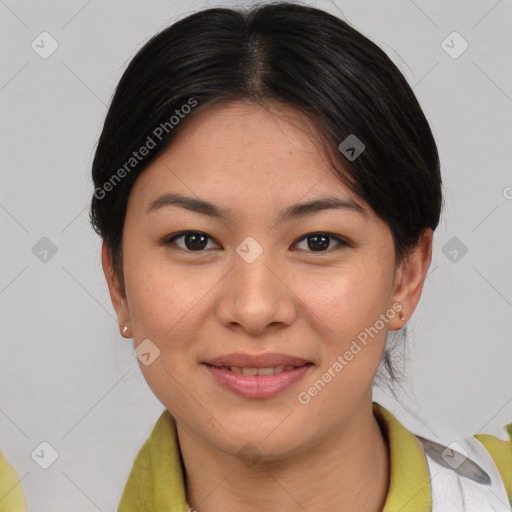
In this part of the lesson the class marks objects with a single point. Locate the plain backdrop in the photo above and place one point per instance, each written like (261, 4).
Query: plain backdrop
(66, 375)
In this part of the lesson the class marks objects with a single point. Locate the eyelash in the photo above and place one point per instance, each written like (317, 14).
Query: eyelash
(170, 241)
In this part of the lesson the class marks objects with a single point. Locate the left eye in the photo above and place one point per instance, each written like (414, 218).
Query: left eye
(318, 241)
(196, 241)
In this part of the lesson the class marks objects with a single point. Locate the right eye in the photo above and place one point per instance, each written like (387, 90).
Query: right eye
(193, 241)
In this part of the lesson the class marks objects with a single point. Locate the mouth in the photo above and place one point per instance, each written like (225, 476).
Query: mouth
(264, 361)
(257, 382)
(270, 370)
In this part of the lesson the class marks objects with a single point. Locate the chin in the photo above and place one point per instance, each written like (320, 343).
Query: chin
(272, 435)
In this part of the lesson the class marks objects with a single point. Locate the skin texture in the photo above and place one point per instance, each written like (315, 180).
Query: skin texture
(329, 454)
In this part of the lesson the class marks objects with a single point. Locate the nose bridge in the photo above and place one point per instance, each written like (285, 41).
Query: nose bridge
(253, 296)
(251, 269)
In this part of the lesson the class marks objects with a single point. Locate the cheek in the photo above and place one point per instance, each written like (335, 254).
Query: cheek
(166, 306)
(170, 305)
(345, 307)
(344, 301)
(346, 310)
(162, 295)
(162, 304)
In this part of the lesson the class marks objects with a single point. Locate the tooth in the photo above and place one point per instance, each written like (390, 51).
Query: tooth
(258, 371)
(265, 371)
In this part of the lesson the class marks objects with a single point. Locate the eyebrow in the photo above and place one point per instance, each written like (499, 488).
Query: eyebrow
(295, 211)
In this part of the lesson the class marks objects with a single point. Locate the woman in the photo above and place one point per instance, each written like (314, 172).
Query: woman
(267, 187)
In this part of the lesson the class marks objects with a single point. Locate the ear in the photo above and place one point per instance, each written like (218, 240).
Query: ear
(117, 296)
(409, 278)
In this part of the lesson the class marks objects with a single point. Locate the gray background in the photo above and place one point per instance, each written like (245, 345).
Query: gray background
(69, 378)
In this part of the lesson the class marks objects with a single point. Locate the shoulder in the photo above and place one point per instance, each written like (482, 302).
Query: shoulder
(501, 453)
(11, 492)
(471, 473)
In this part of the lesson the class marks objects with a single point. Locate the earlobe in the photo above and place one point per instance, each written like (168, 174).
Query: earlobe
(117, 296)
(409, 278)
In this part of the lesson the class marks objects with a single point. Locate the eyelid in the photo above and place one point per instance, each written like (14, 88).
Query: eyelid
(169, 241)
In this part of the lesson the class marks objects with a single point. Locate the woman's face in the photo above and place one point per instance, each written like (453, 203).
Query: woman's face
(252, 283)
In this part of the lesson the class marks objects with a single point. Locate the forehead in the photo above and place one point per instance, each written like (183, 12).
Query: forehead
(240, 152)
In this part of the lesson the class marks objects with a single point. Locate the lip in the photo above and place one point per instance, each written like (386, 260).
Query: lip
(245, 360)
(258, 387)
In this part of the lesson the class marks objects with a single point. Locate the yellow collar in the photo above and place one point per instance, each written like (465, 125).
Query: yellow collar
(409, 486)
(156, 481)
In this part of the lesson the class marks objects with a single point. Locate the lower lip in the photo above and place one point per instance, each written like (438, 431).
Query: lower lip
(258, 386)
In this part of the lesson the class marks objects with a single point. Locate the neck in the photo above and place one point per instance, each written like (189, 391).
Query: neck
(347, 472)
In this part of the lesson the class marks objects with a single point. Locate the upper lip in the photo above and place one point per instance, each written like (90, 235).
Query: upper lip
(244, 360)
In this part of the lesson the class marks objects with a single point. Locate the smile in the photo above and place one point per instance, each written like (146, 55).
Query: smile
(257, 371)
(257, 383)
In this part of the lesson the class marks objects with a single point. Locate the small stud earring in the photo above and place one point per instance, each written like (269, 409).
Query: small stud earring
(402, 317)
(125, 328)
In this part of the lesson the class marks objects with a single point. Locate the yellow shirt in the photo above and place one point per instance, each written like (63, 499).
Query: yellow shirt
(11, 492)
(156, 480)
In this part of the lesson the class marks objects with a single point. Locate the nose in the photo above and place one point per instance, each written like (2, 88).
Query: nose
(255, 295)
